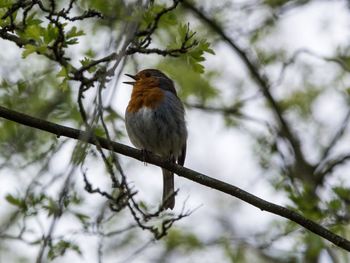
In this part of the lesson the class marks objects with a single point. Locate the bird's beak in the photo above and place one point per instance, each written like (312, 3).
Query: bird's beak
(130, 82)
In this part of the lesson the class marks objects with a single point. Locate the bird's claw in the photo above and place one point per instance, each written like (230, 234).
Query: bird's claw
(145, 154)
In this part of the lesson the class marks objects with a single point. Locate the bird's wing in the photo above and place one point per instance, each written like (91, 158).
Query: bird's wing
(181, 158)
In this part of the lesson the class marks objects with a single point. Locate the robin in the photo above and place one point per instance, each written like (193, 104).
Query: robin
(155, 122)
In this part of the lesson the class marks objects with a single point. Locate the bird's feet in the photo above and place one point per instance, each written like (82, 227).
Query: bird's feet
(145, 154)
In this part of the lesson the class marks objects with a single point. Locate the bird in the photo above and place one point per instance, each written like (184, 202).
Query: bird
(155, 122)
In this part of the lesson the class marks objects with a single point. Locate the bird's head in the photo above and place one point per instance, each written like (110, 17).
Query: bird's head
(151, 78)
(146, 75)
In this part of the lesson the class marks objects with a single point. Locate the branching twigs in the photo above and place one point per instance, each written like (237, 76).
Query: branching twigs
(163, 52)
(223, 187)
(56, 216)
(13, 38)
(64, 13)
(234, 111)
(154, 24)
(56, 50)
(186, 45)
(141, 218)
(262, 82)
(144, 38)
(337, 60)
(123, 195)
(333, 142)
(324, 166)
(330, 165)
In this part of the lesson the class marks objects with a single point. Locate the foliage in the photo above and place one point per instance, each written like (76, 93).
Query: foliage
(64, 63)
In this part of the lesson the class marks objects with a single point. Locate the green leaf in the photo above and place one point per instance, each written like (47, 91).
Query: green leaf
(169, 19)
(150, 13)
(314, 245)
(16, 201)
(180, 239)
(190, 80)
(62, 73)
(82, 217)
(99, 131)
(51, 33)
(6, 3)
(342, 192)
(275, 3)
(61, 248)
(79, 153)
(72, 41)
(64, 85)
(41, 49)
(74, 32)
(143, 205)
(33, 21)
(182, 30)
(198, 67)
(335, 204)
(85, 62)
(28, 49)
(205, 46)
(13, 200)
(52, 207)
(33, 32)
(21, 86)
(90, 53)
(301, 100)
(5, 84)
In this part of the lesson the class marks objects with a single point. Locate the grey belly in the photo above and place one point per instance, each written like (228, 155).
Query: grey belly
(155, 131)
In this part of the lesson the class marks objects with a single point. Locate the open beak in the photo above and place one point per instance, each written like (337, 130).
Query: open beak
(130, 82)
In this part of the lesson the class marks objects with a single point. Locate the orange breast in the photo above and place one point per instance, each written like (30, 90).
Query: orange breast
(142, 96)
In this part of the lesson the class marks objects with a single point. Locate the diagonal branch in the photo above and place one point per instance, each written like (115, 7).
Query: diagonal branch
(154, 24)
(336, 138)
(197, 177)
(260, 80)
(234, 110)
(331, 165)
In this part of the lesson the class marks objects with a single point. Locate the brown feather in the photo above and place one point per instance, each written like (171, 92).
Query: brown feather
(142, 96)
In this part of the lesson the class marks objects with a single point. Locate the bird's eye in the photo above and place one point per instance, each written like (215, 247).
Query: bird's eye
(147, 74)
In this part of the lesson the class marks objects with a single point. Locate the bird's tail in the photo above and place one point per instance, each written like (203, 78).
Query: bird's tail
(168, 189)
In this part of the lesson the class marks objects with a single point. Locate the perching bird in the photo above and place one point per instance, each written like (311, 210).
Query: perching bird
(155, 122)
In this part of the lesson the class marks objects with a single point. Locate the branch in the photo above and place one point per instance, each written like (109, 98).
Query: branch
(320, 169)
(260, 80)
(234, 110)
(176, 52)
(331, 165)
(197, 177)
(187, 43)
(154, 24)
(13, 38)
